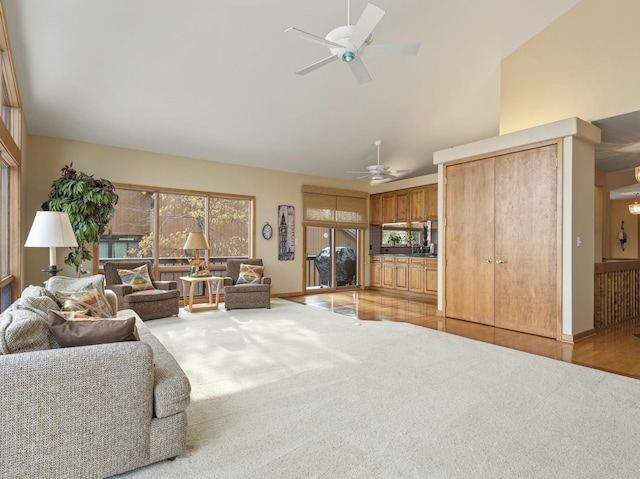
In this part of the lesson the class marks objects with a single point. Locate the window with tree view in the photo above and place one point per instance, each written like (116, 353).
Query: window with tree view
(141, 212)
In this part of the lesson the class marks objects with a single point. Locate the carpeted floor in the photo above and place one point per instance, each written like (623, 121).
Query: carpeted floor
(298, 392)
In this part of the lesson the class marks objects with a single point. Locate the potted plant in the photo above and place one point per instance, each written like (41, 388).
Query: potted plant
(393, 239)
(409, 239)
(90, 204)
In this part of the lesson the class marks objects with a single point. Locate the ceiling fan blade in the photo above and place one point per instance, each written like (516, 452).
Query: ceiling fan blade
(399, 172)
(359, 71)
(317, 65)
(367, 22)
(390, 50)
(314, 38)
(378, 182)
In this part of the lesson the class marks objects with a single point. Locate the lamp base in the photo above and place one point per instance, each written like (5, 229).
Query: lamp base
(52, 270)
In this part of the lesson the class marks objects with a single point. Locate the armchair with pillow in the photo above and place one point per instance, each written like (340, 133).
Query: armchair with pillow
(132, 282)
(245, 285)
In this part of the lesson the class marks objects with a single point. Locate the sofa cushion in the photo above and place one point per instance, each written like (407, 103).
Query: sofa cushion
(150, 295)
(85, 333)
(22, 330)
(138, 278)
(250, 273)
(87, 299)
(66, 283)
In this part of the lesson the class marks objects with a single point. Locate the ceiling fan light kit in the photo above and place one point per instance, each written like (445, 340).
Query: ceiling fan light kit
(350, 42)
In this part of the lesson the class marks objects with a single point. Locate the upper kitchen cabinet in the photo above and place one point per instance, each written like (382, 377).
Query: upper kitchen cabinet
(424, 203)
(375, 209)
(395, 206)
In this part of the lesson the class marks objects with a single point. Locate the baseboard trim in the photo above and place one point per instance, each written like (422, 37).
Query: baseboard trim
(569, 338)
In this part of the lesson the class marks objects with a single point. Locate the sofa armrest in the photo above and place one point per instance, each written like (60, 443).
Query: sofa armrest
(112, 299)
(266, 280)
(227, 281)
(120, 289)
(165, 285)
(94, 400)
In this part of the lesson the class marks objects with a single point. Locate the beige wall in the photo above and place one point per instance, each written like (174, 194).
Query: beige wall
(619, 212)
(271, 188)
(584, 64)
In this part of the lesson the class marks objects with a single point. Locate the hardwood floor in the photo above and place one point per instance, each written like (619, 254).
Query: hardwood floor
(615, 349)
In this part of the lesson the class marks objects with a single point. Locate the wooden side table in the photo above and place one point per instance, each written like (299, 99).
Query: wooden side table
(208, 280)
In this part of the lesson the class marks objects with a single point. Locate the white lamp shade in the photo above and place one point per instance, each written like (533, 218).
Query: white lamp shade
(51, 229)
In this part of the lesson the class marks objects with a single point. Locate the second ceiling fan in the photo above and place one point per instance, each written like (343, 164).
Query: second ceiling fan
(380, 173)
(351, 42)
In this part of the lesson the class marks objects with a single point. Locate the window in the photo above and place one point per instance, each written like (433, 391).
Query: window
(10, 159)
(141, 212)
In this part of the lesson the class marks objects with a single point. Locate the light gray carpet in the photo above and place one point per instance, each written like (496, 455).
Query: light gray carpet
(298, 392)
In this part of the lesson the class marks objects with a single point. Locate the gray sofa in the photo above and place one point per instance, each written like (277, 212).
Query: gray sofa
(88, 411)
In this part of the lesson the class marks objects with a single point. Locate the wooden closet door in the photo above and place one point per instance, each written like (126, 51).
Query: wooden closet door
(526, 241)
(469, 224)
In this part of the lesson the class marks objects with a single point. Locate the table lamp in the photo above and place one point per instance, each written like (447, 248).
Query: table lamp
(51, 229)
(196, 241)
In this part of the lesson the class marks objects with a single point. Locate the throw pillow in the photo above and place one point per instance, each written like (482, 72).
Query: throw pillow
(87, 299)
(65, 283)
(86, 333)
(22, 331)
(250, 273)
(137, 278)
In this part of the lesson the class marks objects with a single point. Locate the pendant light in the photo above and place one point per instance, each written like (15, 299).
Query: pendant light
(634, 208)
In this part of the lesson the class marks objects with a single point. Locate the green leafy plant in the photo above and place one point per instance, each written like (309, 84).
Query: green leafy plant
(409, 238)
(394, 238)
(90, 204)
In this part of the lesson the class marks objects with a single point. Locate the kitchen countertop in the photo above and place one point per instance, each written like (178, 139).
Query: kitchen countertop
(409, 255)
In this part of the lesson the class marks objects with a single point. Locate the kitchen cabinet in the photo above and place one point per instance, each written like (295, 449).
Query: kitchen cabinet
(415, 204)
(415, 275)
(417, 196)
(395, 207)
(375, 210)
(376, 271)
(388, 272)
(431, 202)
(424, 203)
(502, 264)
(402, 206)
(401, 275)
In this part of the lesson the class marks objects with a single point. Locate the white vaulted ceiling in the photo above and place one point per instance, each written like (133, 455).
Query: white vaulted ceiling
(214, 80)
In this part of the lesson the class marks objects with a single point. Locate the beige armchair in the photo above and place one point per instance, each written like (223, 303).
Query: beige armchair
(160, 302)
(246, 295)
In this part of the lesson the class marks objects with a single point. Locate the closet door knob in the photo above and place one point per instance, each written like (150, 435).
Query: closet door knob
(486, 261)
(499, 261)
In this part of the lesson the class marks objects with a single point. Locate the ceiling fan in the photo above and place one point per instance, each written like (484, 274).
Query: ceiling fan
(379, 173)
(350, 42)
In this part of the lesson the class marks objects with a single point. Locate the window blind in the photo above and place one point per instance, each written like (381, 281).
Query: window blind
(334, 208)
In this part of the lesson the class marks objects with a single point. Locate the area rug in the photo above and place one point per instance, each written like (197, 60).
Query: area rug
(298, 392)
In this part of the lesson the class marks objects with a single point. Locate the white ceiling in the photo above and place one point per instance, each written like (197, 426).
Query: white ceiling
(213, 79)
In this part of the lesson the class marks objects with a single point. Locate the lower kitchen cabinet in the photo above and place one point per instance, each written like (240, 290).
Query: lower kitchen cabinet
(415, 275)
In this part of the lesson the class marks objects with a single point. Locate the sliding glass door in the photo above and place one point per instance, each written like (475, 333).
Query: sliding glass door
(331, 258)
